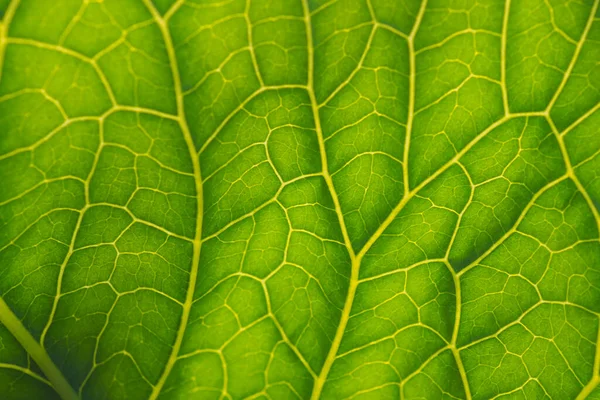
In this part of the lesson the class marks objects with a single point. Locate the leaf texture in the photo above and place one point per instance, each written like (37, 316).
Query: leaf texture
(299, 199)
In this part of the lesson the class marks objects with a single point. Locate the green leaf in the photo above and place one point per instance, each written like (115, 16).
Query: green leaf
(312, 199)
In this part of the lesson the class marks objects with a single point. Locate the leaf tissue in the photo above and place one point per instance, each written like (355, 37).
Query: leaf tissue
(299, 199)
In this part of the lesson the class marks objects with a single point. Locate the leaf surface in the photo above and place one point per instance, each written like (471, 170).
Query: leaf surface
(280, 199)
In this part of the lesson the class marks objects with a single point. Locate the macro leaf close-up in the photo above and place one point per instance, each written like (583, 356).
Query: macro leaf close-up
(299, 199)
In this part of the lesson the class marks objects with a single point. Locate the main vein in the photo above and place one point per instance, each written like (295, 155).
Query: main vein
(187, 305)
(37, 352)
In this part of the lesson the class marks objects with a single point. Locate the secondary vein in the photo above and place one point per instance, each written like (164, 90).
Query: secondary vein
(356, 258)
(322, 377)
(197, 243)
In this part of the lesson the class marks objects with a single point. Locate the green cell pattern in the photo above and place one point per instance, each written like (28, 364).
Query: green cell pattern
(299, 199)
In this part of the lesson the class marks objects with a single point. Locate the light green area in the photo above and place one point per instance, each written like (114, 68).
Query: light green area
(294, 199)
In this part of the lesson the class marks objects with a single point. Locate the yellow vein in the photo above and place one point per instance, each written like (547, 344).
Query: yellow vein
(320, 381)
(505, 328)
(581, 119)
(571, 173)
(61, 273)
(503, 57)
(70, 53)
(411, 92)
(356, 259)
(74, 237)
(452, 346)
(8, 16)
(578, 48)
(250, 45)
(458, 290)
(174, 8)
(390, 218)
(315, 111)
(187, 306)
(241, 107)
(77, 18)
(71, 250)
(594, 382)
(515, 226)
(284, 336)
(26, 371)
(356, 70)
(421, 368)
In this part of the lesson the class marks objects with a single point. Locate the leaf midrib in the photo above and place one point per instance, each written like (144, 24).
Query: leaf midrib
(37, 352)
